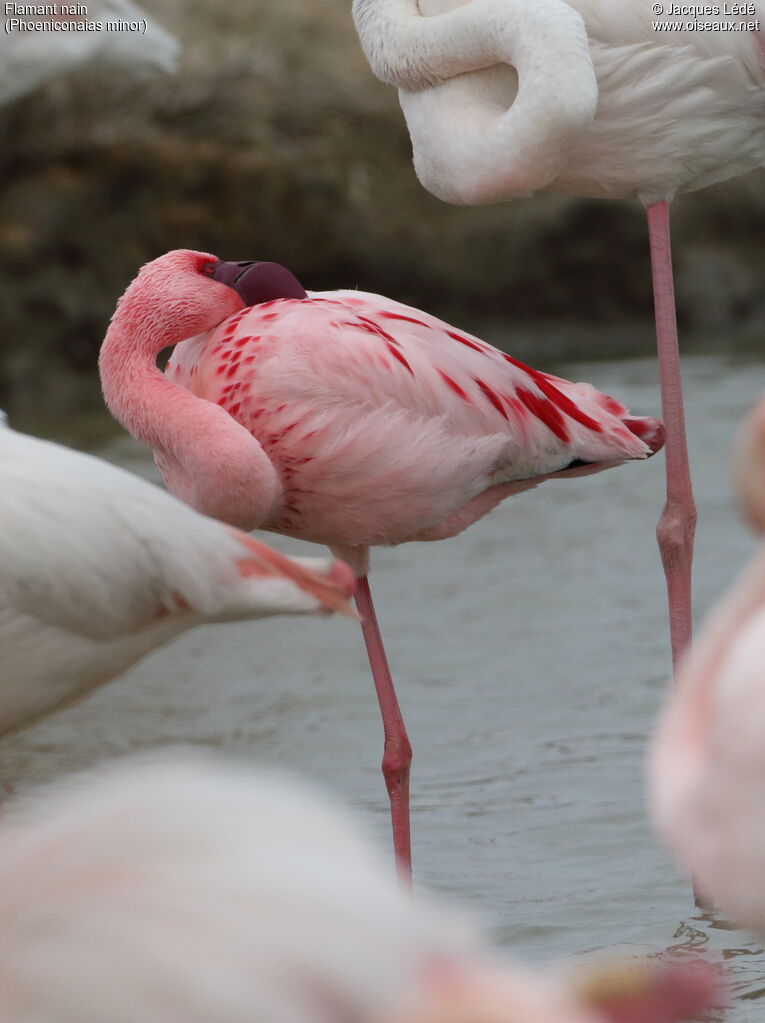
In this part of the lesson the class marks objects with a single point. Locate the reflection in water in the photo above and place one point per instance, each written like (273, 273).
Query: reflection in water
(744, 964)
(689, 938)
(531, 654)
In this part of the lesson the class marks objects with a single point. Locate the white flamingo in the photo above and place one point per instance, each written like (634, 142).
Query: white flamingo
(193, 891)
(98, 568)
(28, 57)
(505, 97)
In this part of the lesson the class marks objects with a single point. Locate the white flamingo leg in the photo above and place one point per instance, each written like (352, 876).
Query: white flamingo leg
(397, 755)
(677, 525)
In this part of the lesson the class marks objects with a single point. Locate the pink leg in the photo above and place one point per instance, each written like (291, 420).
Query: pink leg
(677, 524)
(397, 755)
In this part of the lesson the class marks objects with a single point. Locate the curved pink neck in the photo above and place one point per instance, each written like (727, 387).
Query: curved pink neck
(206, 458)
(149, 406)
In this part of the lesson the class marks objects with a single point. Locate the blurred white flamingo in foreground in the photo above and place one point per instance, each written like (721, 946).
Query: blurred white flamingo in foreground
(29, 58)
(98, 568)
(707, 768)
(588, 97)
(193, 891)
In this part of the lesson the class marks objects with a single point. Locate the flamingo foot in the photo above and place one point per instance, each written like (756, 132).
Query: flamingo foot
(397, 754)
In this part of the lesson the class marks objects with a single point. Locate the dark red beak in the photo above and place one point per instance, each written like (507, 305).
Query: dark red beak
(259, 282)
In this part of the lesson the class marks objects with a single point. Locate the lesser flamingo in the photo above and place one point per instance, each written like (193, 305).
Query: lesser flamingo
(343, 418)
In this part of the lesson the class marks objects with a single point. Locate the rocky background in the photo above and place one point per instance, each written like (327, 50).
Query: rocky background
(273, 141)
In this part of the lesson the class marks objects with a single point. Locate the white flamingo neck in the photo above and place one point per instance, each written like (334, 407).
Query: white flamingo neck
(412, 51)
(405, 51)
(546, 44)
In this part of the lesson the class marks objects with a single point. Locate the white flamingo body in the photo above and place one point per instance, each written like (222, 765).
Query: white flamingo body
(99, 568)
(194, 891)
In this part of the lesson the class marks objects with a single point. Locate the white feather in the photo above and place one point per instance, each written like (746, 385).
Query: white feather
(99, 568)
(675, 110)
(193, 891)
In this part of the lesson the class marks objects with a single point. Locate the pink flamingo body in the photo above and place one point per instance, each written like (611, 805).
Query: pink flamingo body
(707, 774)
(346, 419)
(587, 97)
(352, 394)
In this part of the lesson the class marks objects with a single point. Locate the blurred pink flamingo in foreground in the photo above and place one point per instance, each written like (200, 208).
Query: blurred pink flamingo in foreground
(343, 418)
(585, 97)
(707, 773)
(99, 568)
(194, 890)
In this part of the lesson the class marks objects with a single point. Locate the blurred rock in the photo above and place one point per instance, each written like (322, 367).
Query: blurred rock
(273, 141)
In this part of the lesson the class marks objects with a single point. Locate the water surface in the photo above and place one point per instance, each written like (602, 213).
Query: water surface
(531, 655)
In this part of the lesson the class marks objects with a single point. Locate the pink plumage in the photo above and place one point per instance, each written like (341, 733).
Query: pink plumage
(385, 423)
(707, 770)
(343, 418)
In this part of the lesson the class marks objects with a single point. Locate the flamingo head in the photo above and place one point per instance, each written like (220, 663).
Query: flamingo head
(749, 468)
(173, 298)
(185, 293)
